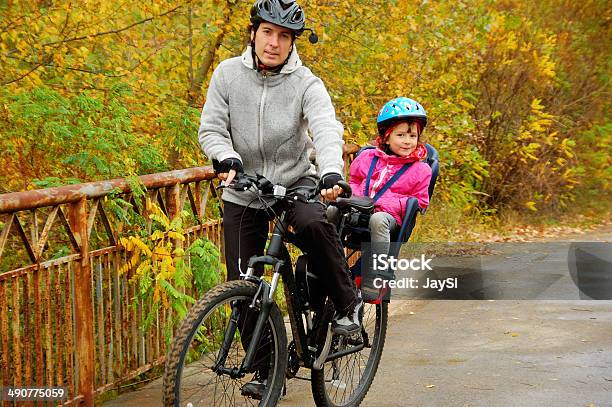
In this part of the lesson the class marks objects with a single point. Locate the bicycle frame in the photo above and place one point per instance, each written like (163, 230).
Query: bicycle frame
(306, 344)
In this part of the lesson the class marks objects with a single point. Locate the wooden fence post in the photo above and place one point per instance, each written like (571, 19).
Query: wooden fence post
(173, 200)
(85, 352)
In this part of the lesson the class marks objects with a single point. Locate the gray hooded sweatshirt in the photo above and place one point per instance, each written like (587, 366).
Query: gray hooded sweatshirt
(262, 119)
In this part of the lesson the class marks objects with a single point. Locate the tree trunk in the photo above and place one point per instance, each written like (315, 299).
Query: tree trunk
(194, 96)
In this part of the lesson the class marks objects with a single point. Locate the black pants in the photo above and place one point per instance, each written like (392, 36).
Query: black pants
(246, 233)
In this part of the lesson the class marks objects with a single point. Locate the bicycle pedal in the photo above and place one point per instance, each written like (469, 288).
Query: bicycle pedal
(354, 340)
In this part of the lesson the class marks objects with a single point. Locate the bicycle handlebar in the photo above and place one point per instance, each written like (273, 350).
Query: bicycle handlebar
(244, 182)
(346, 188)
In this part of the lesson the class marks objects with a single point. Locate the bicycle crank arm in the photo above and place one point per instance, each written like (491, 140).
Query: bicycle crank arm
(318, 363)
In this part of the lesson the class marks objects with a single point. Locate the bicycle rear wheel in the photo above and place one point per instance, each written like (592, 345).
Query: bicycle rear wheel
(190, 378)
(345, 381)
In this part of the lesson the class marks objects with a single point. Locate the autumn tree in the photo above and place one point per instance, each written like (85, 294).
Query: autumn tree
(517, 92)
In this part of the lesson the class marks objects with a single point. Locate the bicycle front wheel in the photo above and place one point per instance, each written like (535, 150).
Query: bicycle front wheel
(345, 381)
(192, 376)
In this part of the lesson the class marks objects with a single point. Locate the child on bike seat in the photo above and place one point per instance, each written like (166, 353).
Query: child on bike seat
(401, 122)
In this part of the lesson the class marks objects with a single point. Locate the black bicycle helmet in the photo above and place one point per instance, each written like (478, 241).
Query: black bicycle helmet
(285, 13)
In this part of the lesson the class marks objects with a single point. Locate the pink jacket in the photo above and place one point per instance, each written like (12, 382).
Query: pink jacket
(413, 183)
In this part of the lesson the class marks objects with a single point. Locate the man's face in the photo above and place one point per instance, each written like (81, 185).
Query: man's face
(272, 43)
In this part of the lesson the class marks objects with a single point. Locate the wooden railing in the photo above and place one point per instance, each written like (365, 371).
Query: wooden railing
(67, 318)
(69, 321)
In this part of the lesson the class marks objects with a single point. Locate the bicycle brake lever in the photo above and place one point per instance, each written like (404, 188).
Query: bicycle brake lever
(242, 184)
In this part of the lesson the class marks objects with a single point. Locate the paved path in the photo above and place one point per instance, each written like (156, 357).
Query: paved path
(480, 353)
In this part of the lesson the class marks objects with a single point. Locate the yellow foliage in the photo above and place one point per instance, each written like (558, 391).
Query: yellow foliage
(157, 235)
(511, 42)
(143, 268)
(141, 245)
(161, 219)
(466, 104)
(536, 106)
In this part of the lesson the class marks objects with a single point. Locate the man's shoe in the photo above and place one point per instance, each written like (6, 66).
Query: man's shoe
(256, 387)
(350, 323)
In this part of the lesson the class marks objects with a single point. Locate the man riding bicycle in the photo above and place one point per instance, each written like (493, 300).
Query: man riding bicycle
(257, 111)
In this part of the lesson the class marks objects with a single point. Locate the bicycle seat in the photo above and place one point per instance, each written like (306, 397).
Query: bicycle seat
(360, 203)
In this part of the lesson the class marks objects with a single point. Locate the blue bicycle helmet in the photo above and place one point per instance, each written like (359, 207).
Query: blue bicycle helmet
(285, 13)
(401, 108)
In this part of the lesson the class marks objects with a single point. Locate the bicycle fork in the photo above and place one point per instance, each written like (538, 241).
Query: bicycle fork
(265, 293)
(264, 299)
(230, 331)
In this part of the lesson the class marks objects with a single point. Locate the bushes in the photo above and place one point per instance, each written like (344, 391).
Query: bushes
(75, 138)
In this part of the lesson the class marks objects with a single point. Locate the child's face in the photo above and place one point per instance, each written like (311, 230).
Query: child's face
(403, 138)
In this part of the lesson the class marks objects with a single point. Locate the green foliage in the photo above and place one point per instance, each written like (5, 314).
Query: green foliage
(122, 210)
(137, 188)
(73, 138)
(594, 170)
(204, 257)
(50, 182)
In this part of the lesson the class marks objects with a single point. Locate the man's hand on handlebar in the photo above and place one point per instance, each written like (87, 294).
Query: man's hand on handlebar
(331, 194)
(227, 177)
(333, 186)
(227, 169)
